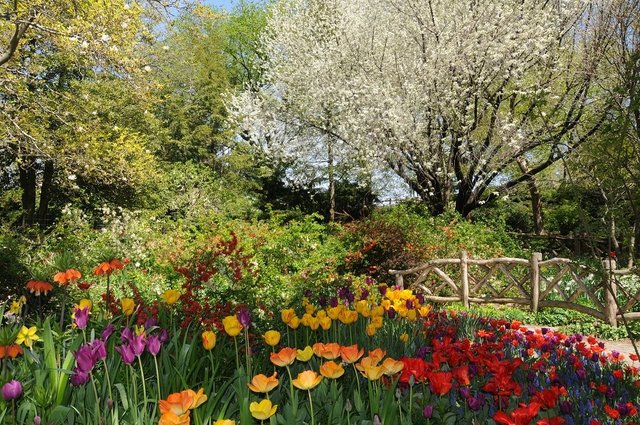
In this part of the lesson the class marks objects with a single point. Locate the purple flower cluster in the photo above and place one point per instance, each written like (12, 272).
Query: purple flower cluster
(86, 358)
(133, 344)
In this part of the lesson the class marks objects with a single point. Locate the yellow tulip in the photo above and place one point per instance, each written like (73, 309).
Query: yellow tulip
(391, 366)
(272, 338)
(287, 315)
(171, 296)
(325, 322)
(263, 410)
(404, 337)
(294, 322)
(304, 355)
(232, 326)
(314, 323)
(84, 303)
(371, 330)
(334, 312)
(307, 380)
(208, 340)
(411, 315)
(224, 422)
(128, 306)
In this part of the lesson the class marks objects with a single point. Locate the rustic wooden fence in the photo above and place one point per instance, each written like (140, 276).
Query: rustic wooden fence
(557, 282)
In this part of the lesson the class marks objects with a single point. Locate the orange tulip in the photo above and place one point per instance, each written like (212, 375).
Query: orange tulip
(284, 357)
(3, 351)
(307, 380)
(180, 403)
(328, 351)
(331, 370)
(351, 353)
(263, 384)
(171, 418)
(377, 354)
(391, 366)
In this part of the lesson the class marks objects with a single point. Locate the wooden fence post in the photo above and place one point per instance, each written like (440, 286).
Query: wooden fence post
(610, 292)
(400, 281)
(464, 275)
(536, 257)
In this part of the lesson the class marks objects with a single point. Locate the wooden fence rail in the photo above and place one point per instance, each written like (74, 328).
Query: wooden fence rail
(556, 282)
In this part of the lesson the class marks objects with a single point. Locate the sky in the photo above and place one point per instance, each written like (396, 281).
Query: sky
(226, 4)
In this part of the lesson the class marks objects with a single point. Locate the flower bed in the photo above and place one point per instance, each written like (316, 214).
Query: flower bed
(361, 354)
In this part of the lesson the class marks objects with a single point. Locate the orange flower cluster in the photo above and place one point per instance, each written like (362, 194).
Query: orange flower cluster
(38, 287)
(69, 276)
(10, 351)
(176, 409)
(108, 267)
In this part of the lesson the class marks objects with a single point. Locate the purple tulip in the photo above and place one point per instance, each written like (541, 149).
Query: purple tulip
(81, 317)
(150, 323)
(427, 412)
(11, 390)
(106, 333)
(476, 403)
(127, 354)
(164, 336)
(99, 349)
(244, 317)
(153, 345)
(126, 335)
(37, 420)
(79, 377)
(137, 344)
(85, 359)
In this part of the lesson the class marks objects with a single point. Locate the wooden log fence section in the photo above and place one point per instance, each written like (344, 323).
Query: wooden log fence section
(538, 283)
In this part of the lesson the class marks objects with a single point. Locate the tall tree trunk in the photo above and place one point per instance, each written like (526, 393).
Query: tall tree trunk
(28, 186)
(332, 180)
(536, 199)
(45, 193)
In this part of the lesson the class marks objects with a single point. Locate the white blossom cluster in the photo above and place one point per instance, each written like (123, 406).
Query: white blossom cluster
(447, 92)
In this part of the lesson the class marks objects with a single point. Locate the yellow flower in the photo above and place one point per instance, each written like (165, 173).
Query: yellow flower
(232, 325)
(263, 410)
(424, 310)
(27, 336)
(404, 337)
(377, 321)
(377, 311)
(371, 330)
(314, 323)
(294, 322)
(224, 422)
(411, 315)
(262, 383)
(348, 316)
(304, 355)
(208, 340)
(287, 314)
(84, 303)
(307, 380)
(321, 314)
(309, 308)
(128, 305)
(325, 322)
(171, 296)
(331, 370)
(334, 312)
(369, 368)
(272, 338)
(391, 366)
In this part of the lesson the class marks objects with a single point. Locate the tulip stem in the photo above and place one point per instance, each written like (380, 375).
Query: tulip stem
(159, 396)
(357, 376)
(144, 390)
(235, 342)
(106, 375)
(13, 407)
(313, 420)
(64, 302)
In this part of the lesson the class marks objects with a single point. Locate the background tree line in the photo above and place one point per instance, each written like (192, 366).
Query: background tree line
(524, 115)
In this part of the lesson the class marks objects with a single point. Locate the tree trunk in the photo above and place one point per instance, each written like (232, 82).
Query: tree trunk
(28, 186)
(45, 193)
(332, 180)
(536, 199)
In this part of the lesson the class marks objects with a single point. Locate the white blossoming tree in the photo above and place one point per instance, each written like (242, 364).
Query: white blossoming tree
(462, 99)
